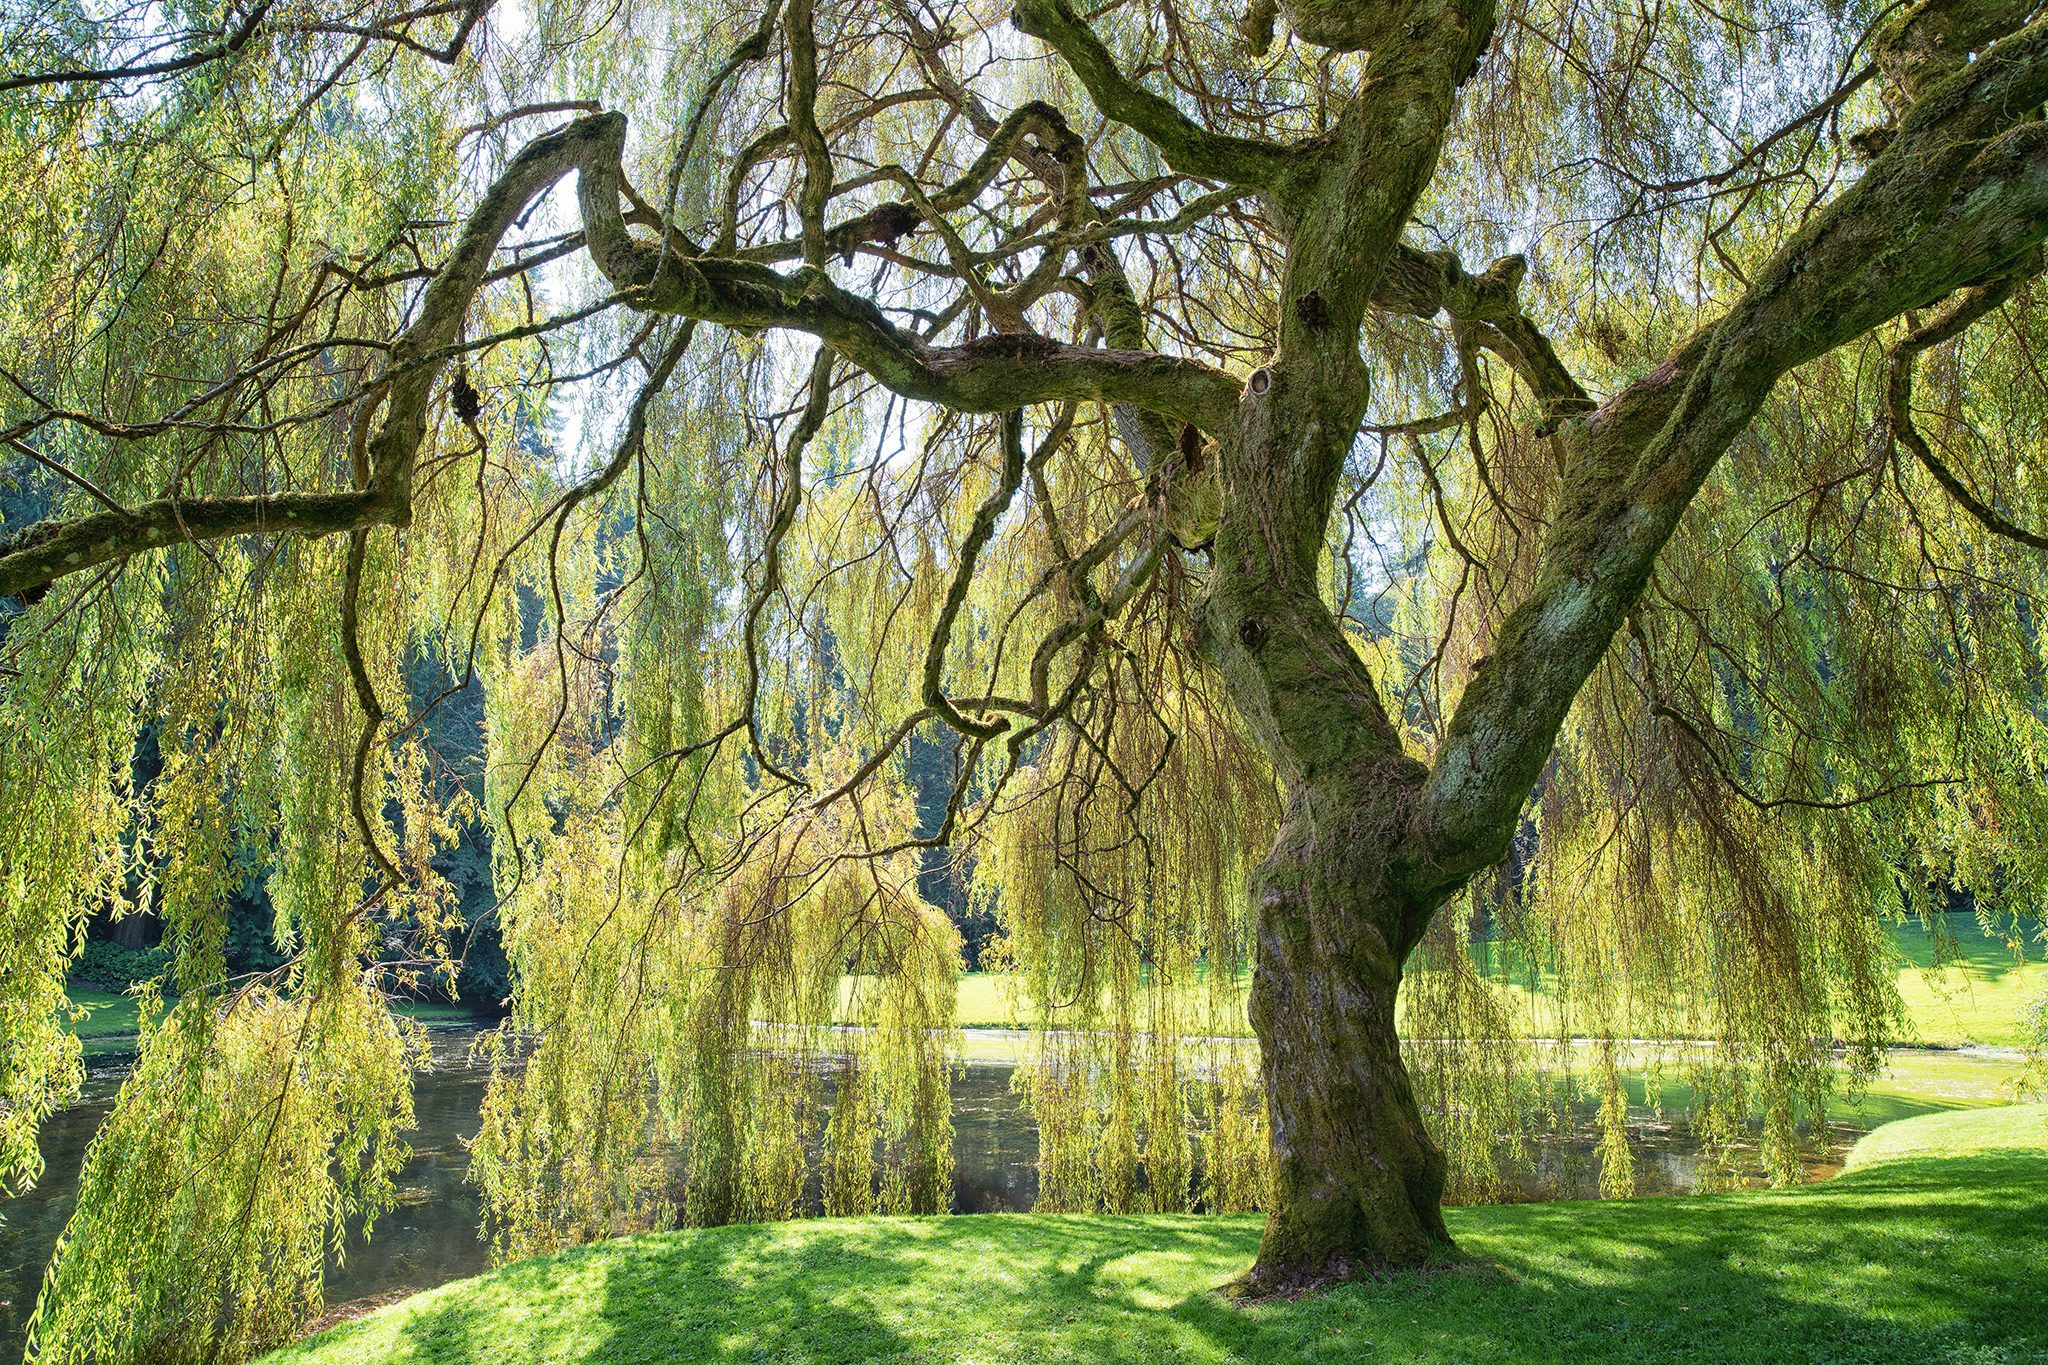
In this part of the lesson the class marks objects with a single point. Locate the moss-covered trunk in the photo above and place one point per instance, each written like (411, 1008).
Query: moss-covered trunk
(1359, 1181)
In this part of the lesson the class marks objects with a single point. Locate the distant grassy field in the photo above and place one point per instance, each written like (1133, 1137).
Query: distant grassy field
(440, 1013)
(1978, 998)
(1928, 1082)
(1928, 1249)
(1975, 999)
(110, 1022)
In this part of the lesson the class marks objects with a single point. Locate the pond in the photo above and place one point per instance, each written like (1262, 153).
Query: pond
(432, 1236)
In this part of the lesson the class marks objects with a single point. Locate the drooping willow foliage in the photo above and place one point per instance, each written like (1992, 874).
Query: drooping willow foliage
(718, 590)
(2034, 1023)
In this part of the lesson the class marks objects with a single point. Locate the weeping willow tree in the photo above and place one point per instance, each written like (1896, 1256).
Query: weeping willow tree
(1607, 641)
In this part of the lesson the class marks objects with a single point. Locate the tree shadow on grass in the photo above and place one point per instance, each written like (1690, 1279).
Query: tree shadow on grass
(908, 1289)
(1912, 1261)
(1972, 952)
(924, 1289)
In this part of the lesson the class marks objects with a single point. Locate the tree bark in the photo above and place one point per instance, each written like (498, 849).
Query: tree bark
(1359, 1181)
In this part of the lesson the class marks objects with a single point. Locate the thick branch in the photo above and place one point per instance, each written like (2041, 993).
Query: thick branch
(446, 299)
(1187, 146)
(992, 374)
(802, 37)
(1343, 25)
(228, 46)
(1425, 283)
(1307, 695)
(52, 549)
(1937, 37)
(1954, 198)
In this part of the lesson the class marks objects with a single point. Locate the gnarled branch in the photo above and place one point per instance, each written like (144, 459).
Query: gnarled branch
(992, 374)
(1187, 146)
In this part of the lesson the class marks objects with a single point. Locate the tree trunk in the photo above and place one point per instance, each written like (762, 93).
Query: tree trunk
(1359, 1182)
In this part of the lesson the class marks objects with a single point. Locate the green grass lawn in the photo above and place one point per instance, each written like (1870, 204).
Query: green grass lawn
(108, 1013)
(1978, 998)
(2009, 1128)
(110, 1022)
(1930, 1249)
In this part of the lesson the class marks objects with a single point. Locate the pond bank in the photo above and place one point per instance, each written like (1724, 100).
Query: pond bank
(1928, 1248)
(431, 1236)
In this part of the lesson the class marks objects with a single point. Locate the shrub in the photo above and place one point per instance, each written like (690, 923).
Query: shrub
(115, 966)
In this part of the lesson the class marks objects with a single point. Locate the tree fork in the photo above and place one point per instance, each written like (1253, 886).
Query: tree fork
(1359, 1182)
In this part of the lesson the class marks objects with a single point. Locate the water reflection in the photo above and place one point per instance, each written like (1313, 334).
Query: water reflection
(432, 1235)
